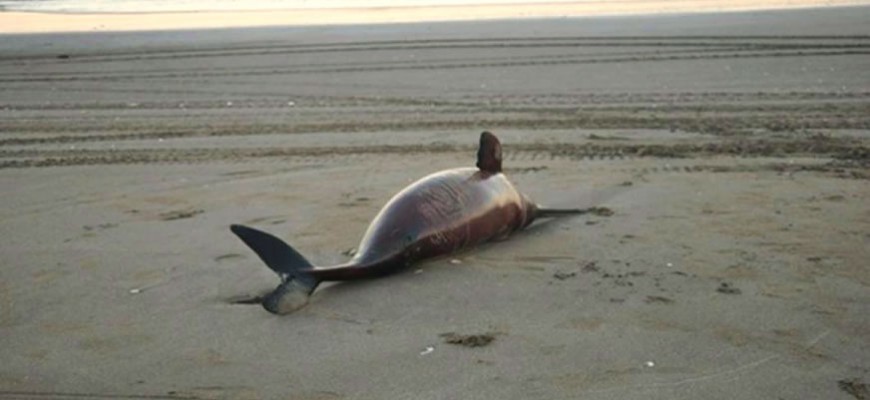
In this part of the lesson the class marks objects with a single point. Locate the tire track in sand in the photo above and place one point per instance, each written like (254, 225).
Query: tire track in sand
(844, 149)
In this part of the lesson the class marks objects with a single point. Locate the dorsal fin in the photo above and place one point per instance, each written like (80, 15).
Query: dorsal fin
(489, 153)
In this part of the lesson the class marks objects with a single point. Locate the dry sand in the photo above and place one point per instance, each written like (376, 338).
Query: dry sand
(732, 148)
(351, 13)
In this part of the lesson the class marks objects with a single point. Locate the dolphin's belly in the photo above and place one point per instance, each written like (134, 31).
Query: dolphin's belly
(440, 214)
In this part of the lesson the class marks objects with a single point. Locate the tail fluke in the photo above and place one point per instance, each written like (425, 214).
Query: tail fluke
(296, 285)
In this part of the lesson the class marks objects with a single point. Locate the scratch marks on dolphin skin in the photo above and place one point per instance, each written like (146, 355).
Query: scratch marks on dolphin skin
(441, 204)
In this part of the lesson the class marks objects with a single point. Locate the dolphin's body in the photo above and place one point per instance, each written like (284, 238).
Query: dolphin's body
(437, 215)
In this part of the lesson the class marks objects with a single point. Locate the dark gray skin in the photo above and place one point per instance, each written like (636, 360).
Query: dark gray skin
(440, 214)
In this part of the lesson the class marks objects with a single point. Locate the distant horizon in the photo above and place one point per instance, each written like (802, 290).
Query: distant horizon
(44, 16)
(160, 6)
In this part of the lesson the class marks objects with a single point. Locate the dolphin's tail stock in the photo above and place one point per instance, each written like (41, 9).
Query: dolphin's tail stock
(296, 285)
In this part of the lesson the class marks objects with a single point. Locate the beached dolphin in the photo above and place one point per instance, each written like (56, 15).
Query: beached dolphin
(437, 215)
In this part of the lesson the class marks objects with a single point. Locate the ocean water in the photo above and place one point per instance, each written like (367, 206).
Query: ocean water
(117, 6)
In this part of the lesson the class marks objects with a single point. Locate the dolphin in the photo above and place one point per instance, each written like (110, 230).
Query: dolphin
(437, 215)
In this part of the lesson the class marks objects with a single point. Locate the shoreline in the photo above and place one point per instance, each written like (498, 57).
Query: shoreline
(19, 22)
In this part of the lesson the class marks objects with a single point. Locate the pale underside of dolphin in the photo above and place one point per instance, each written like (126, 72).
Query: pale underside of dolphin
(438, 215)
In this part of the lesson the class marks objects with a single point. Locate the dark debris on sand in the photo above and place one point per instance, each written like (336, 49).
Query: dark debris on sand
(474, 340)
(726, 288)
(600, 211)
(857, 389)
(658, 299)
(181, 214)
(564, 275)
(591, 266)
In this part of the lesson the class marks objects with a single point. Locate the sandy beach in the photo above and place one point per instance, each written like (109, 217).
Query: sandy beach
(732, 149)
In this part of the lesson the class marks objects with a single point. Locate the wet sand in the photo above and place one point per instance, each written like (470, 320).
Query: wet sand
(732, 148)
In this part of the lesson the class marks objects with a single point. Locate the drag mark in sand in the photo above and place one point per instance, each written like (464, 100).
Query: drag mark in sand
(702, 378)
